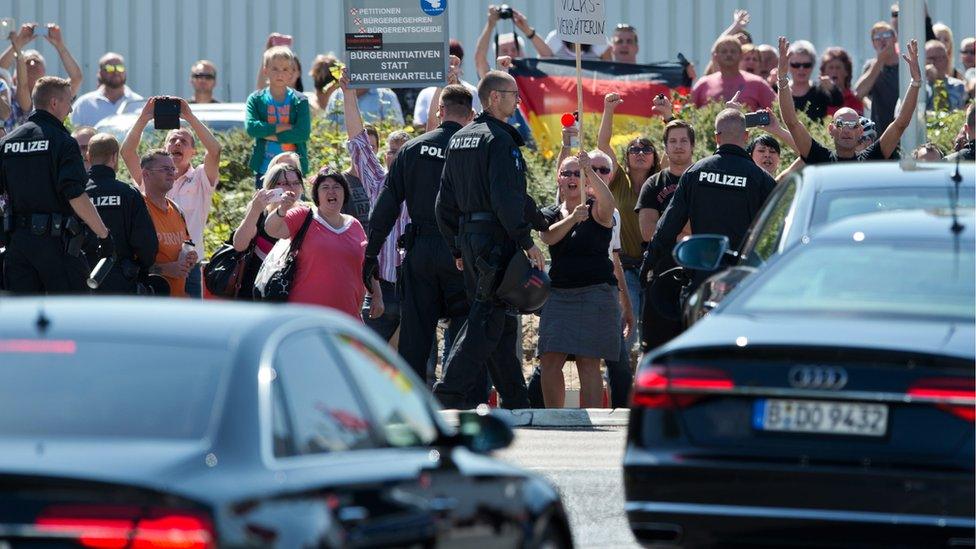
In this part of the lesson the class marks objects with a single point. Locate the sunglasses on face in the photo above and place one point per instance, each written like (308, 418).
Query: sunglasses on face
(113, 68)
(601, 169)
(570, 173)
(969, 52)
(802, 65)
(509, 91)
(884, 35)
(205, 76)
(850, 124)
(640, 150)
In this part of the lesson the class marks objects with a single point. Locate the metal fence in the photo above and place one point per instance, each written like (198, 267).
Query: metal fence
(161, 39)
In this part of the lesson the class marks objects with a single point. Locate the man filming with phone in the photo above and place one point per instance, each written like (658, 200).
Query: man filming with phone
(194, 185)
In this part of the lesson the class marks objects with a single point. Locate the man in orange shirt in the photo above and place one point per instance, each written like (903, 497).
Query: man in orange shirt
(158, 176)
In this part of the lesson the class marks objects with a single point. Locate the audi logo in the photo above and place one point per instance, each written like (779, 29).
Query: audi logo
(818, 377)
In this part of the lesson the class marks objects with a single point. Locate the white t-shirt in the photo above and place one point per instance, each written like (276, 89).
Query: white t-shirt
(422, 106)
(559, 49)
(192, 193)
(615, 235)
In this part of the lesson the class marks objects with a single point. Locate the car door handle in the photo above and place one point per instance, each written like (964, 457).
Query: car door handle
(441, 503)
(352, 513)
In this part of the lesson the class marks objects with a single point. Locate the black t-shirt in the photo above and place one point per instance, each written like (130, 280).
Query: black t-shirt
(816, 101)
(582, 257)
(822, 155)
(657, 191)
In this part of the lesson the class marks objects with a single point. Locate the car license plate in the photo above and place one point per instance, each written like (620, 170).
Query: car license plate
(820, 416)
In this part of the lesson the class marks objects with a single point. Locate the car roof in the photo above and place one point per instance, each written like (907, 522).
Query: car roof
(210, 322)
(868, 175)
(902, 225)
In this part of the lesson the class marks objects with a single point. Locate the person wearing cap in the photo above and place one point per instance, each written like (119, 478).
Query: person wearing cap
(846, 129)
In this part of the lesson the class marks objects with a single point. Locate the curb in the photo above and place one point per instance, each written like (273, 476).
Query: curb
(562, 417)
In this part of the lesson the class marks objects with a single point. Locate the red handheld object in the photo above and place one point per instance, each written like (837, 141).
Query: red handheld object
(567, 120)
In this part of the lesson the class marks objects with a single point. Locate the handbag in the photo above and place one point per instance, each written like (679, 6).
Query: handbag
(224, 273)
(277, 272)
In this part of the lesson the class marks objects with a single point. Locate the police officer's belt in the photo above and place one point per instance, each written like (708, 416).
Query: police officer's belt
(48, 224)
(482, 223)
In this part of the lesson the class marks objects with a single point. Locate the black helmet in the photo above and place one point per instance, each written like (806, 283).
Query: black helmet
(523, 286)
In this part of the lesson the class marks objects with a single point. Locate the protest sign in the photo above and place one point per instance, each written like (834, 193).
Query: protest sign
(396, 43)
(581, 21)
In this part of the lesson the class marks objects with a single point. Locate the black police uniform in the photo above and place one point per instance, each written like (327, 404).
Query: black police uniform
(41, 170)
(482, 211)
(124, 212)
(720, 194)
(432, 286)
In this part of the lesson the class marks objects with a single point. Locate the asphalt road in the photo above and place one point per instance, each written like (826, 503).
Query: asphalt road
(585, 465)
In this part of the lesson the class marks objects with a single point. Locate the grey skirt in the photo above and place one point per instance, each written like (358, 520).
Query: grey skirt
(581, 321)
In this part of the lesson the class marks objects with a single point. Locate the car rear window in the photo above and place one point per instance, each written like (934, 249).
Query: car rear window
(833, 205)
(927, 279)
(69, 388)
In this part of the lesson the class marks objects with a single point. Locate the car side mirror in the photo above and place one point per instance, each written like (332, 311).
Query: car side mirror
(701, 252)
(481, 431)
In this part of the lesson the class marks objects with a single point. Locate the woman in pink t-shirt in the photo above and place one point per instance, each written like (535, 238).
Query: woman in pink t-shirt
(330, 260)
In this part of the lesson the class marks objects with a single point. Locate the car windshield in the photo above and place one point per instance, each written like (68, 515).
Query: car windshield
(833, 205)
(69, 388)
(912, 279)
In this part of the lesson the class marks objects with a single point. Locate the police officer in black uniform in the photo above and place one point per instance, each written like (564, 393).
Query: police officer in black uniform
(43, 175)
(124, 211)
(433, 288)
(483, 213)
(720, 194)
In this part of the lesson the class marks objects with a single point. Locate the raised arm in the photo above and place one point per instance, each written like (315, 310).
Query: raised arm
(21, 38)
(610, 102)
(892, 134)
(23, 89)
(522, 23)
(452, 78)
(801, 137)
(481, 50)
(248, 228)
(867, 80)
(130, 145)
(350, 106)
(211, 159)
(70, 65)
(604, 202)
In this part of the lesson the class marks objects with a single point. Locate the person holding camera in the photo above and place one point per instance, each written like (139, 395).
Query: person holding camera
(507, 44)
(125, 214)
(194, 186)
(35, 64)
(43, 175)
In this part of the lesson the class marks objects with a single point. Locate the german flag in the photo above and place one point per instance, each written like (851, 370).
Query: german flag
(548, 90)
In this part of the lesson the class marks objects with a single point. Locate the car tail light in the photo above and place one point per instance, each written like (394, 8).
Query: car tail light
(124, 526)
(678, 386)
(946, 393)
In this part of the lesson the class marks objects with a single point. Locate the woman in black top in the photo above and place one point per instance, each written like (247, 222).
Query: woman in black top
(811, 99)
(582, 315)
(282, 176)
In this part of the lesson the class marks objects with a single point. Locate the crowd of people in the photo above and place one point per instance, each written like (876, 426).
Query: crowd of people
(319, 235)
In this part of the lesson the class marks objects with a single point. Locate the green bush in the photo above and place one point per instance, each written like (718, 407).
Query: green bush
(327, 146)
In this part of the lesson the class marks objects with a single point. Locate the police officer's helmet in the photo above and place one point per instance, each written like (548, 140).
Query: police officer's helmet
(524, 287)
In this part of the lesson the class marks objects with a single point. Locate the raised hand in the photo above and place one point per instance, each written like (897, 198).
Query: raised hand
(54, 35)
(661, 106)
(611, 101)
(493, 13)
(580, 213)
(503, 62)
(784, 48)
(734, 102)
(911, 57)
(740, 19)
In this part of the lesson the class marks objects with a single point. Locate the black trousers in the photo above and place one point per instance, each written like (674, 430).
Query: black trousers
(487, 340)
(39, 265)
(433, 288)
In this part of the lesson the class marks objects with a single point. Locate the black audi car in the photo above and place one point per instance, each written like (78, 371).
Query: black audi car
(822, 194)
(137, 423)
(828, 402)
